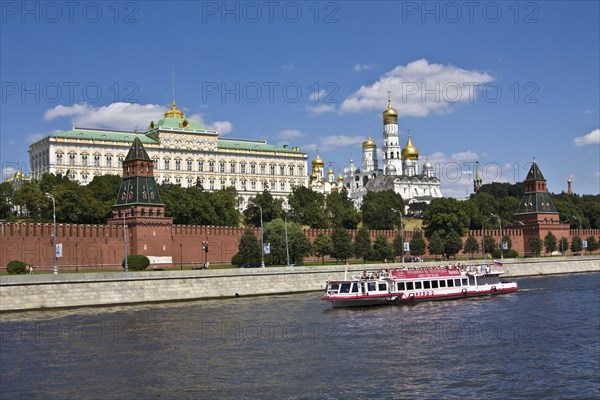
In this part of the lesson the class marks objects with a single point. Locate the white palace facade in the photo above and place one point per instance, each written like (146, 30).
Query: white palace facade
(184, 153)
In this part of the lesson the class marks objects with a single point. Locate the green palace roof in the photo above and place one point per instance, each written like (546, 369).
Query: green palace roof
(248, 145)
(103, 134)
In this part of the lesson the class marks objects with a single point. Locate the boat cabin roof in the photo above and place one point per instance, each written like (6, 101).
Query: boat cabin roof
(425, 273)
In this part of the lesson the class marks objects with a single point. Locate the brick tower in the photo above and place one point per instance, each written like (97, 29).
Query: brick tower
(138, 207)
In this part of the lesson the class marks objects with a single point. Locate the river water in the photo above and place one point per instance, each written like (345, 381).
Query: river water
(542, 342)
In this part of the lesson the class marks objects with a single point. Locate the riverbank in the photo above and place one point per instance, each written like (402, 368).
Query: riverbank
(34, 292)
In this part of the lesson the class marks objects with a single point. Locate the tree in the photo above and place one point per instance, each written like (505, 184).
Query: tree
(417, 244)
(453, 244)
(535, 245)
(550, 242)
(576, 244)
(377, 209)
(382, 250)
(342, 244)
(307, 207)
(341, 211)
(225, 205)
(471, 245)
(298, 244)
(436, 244)
(563, 244)
(322, 246)
(445, 216)
(362, 244)
(249, 249)
(271, 209)
(489, 244)
(6, 199)
(592, 244)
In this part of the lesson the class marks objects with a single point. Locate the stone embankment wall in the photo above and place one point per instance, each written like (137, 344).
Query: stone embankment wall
(31, 292)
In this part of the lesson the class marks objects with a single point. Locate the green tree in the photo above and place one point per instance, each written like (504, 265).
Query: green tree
(225, 205)
(417, 244)
(362, 244)
(453, 244)
(322, 246)
(398, 245)
(249, 249)
(444, 216)
(342, 244)
(307, 207)
(382, 250)
(272, 208)
(550, 242)
(436, 244)
(535, 245)
(592, 244)
(563, 245)
(471, 245)
(341, 211)
(377, 209)
(6, 200)
(489, 244)
(298, 244)
(576, 244)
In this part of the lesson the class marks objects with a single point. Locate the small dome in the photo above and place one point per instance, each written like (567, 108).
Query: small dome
(174, 112)
(390, 115)
(318, 162)
(391, 170)
(340, 178)
(369, 144)
(330, 171)
(410, 152)
(427, 165)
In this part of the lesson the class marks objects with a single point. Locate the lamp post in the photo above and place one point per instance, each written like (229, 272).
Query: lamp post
(401, 231)
(54, 269)
(579, 232)
(501, 244)
(287, 248)
(482, 240)
(125, 242)
(262, 245)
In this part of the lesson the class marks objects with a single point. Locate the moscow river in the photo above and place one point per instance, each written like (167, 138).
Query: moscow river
(542, 342)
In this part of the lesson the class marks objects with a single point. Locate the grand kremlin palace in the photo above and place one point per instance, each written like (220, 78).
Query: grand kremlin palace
(184, 153)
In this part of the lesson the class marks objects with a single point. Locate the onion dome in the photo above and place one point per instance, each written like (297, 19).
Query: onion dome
(390, 170)
(340, 178)
(390, 115)
(427, 165)
(318, 162)
(174, 112)
(410, 152)
(330, 171)
(369, 144)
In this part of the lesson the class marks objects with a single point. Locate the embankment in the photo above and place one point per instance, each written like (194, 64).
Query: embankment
(34, 292)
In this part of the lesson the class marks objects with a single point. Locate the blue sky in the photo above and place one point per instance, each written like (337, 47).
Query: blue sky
(498, 82)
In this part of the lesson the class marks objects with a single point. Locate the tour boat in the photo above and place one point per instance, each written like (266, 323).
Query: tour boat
(400, 286)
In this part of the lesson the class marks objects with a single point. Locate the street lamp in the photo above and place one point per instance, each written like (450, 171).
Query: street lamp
(262, 245)
(501, 244)
(401, 231)
(54, 269)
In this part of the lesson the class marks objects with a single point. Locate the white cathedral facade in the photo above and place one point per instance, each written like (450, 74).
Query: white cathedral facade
(401, 171)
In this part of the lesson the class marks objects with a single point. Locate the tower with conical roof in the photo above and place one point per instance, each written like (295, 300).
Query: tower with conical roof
(410, 157)
(392, 163)
(138, 206)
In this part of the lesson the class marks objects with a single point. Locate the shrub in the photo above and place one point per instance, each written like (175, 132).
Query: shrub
(511, 253)
(237, 259)
(136, 262)
(15, 267)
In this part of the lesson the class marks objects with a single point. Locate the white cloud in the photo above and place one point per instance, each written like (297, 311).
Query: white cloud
(363, 67)
(464, 156)
(116, 115)
(591, 138)
(290, 134)
(418, 89)
(316, 96)
(320, 109)
(288, 67)
(223, 127)
(334, 142)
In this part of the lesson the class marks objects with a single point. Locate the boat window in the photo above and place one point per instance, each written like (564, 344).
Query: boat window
(383, 287)
(434, 284)
(409, 286)
(442, 283)
(457, 282)
(354, 288)
(418, 285)
(400, 285)
(464, 282)
(426, 285)
(371, 286)
(450, 283)
(334, 286)
(345, 288)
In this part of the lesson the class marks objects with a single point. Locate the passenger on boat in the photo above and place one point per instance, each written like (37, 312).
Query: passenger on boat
(364, 275)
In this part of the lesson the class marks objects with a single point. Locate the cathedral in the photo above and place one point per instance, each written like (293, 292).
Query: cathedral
(401, 171)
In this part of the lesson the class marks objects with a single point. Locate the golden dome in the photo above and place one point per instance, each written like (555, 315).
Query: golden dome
(174, 112)
(317, 162)
(18, 175)
(340, 178)
(390, 115)
(410, 152)
(369, 144)
(569, 180)
(330, 171)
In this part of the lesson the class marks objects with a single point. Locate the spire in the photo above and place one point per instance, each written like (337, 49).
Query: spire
(570, 189)
(390, 116)
(478, 181)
